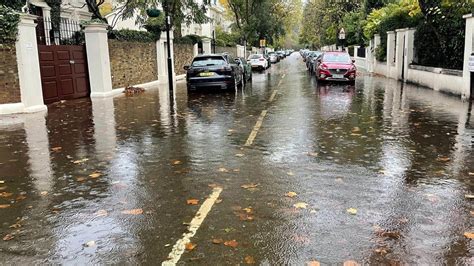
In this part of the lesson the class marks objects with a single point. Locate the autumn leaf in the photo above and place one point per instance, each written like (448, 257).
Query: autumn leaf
(290, 173)
(313, 154)
(469, 235)
(239, 155)
(100, 213)
(80, 161)
(471, 173)
(291, 194)
(95, 175)
(352, 211)
(469, 196)
(444, 159)
(90, 244)
(249, 260)
(231, 243)
(8, 237)
(472, 213)
(300, 205)
(5, 194)
(4, 206)
(192, 201)
(223, 170)
(190, 246)
(213, 185)
(251, 185)
(44, 193)
(350, 263)
(56, 149)
(81, 179)
(177, 162)
(133, 212)
(356, 129)
(217, 241)
(313, 263)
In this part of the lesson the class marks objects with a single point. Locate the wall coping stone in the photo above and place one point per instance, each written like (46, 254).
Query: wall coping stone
(468, 16)
(438, 70)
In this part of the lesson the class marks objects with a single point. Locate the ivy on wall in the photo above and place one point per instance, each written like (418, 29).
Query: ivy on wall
(9, 20)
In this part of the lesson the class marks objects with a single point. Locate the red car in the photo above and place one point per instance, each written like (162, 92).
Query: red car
(336, 66)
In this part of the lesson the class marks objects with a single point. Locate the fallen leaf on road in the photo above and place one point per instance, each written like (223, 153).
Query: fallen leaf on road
(80, 161)
(468, 196)
(190, 246)
(223, 170)
(217, 241)
(8, 237)
(352, 211)
(239, 155)
(291, 194)
(177, 162)
(213, 185)
(444, 159)
(469, 235)
(95, 175)
(100, 213)
(44, 193)
(3, 182)
(248, 210)
(56, 149)
(192, 201)
(313, 263)
(5, 194)
(80, 179)
(231, 243)
(472, 212)
(350, 263)
(249, 260)
(313, 154)
(290, 173)
(133, 212)
(251, 185)
(381, 251)
(300, 205)
(469, 174)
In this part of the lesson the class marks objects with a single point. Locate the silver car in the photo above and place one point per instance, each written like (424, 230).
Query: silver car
(273, 58)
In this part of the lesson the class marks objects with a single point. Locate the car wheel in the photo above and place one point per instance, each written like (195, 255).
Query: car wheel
(352, 82)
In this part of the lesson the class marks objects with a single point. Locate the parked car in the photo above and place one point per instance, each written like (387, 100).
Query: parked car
(267, 57)
(311, 61)
(336, 66)
(273, 57)
(247, 68)
(214, 70)
(281, 54)
(258, 61)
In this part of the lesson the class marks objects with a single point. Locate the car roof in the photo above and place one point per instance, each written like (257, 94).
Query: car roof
(210, 55)
(336, 52)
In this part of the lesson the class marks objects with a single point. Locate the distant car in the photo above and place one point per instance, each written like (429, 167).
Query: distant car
(267, 57)
(281, 54)
(311, 60)
(214, 70)
(336, 66)
(247, 68)
(273, 58)
(258, 61)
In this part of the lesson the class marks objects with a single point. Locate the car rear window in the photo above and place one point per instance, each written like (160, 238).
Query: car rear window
(208, 61)
(255, 56)
(337, 58)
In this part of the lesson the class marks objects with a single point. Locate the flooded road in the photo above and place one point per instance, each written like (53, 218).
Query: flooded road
(382, 172)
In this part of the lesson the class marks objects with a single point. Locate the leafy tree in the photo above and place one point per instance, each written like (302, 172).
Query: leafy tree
(13, 4)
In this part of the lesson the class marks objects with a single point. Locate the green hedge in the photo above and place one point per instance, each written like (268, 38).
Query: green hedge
(9, 20)
(439, 40)
(131, 36)
(188, 39)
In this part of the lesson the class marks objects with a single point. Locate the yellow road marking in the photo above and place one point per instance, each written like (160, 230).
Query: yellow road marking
(180, 246)
(256, 128)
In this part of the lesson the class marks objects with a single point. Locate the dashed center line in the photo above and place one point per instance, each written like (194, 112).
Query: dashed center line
(272, 97)
(180, 246)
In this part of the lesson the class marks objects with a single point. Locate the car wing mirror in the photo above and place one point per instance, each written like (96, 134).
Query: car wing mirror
(186, 67)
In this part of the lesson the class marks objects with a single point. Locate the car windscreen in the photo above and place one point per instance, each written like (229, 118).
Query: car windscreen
(208, 61)
(337, 58)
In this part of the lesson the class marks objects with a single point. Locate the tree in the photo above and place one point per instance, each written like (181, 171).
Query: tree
(14, 4)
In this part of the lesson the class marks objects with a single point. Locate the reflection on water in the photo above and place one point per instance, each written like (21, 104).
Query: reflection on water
(75, 172)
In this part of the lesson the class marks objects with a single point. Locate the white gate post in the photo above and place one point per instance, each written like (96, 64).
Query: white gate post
(98, 60)
(409, 50)
(390, 53)
(28, 65)
(399, 52)
(162, 58)
(468, 49)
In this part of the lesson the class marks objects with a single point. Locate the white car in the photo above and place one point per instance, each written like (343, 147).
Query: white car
(258, 61)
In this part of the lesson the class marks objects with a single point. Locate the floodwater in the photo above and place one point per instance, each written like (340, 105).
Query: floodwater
(382, 172)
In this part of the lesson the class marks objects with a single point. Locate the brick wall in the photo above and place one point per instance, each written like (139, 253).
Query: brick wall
(9, 83)
(132, 63)
(183, 55)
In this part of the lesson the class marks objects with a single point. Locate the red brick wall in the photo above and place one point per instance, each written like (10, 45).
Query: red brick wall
(9, 83)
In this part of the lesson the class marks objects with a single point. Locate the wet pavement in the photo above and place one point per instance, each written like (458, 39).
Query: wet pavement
(382, 172)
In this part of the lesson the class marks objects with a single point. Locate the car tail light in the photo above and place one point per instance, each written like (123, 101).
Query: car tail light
(324, 67)
(261, 59)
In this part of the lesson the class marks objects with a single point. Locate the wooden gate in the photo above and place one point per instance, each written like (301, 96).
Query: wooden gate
(63, 60)
(63, 72)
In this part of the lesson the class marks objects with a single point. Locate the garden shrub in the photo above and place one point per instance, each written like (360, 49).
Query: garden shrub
(131, 35)
(9, 20)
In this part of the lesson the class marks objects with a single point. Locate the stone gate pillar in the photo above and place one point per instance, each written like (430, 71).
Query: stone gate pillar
(468, 50)
(98, 60)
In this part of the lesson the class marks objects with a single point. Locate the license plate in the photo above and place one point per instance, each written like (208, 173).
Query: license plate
(338, 76)
(206, 74)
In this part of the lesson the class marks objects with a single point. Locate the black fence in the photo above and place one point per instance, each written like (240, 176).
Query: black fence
(63, 32)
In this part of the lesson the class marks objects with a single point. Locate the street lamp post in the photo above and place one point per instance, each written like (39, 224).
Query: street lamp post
(168, 47)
